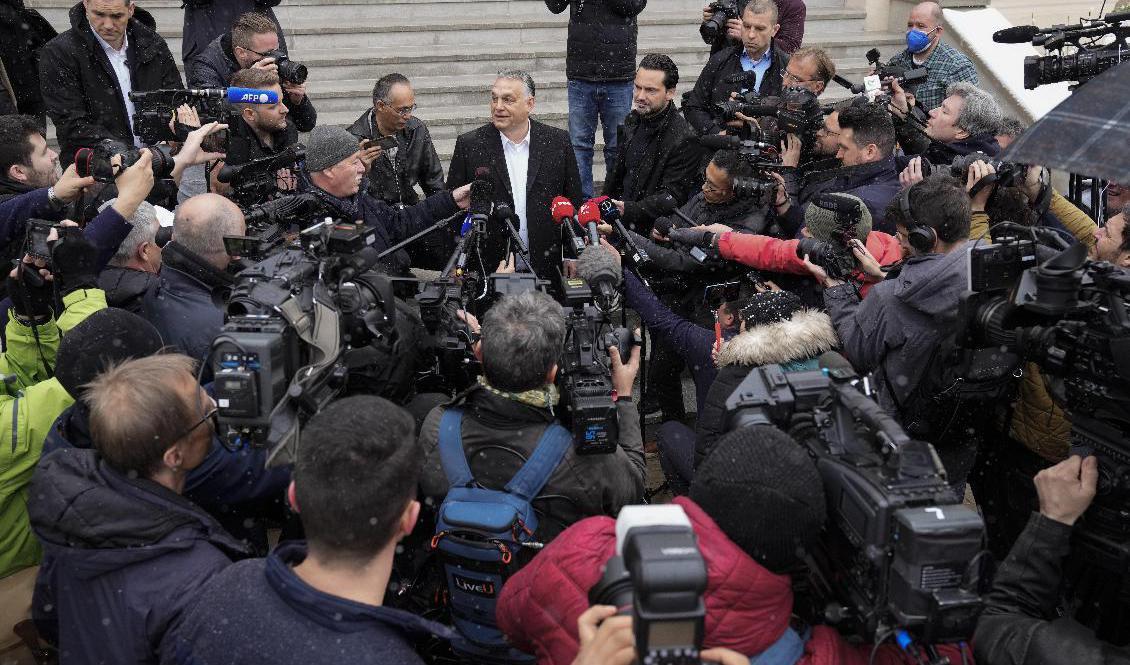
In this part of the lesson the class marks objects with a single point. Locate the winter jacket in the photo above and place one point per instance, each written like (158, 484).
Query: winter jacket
(126, 288)
(791, 16)
(244, 144)
(122, 559)
(273, 616)
(914, 141)
(875, 183)
(896, 329)
(1021, 622)
(186, 303)
(766, 253)
(794, 344)
(602, 38)
(25, 32)
(392, 225)
(415, 157)
(28, 406)
(82, 93)
(214, 67)
(672, 165)
(204, 20)
(722, 75)
(499, 433)
(748, 608)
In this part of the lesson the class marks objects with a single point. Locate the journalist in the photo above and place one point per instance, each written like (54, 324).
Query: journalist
(658, 156)
(793, 13)
(134, 268)
(965, 122)
(261, 130)
(25, 32)
(89, 71)
(755, 65)
(124, 551)
(809, 68)
(246, 46)
(944, 64)
(515, 400)
(204, 20)
(335, 174)
(27, 163)
(320, 601)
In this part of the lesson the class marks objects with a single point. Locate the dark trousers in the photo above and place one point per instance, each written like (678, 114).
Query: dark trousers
(676, 455)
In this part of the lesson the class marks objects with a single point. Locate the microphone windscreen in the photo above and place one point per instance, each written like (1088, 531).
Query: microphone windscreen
(665, 203)
(561, 208)
(663, 225)
(589, 212)
(596, 265)
(1020, 34)
(873, 55)
(252, 96)
(482, 195)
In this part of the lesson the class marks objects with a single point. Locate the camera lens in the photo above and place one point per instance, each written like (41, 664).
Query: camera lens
(614, 587)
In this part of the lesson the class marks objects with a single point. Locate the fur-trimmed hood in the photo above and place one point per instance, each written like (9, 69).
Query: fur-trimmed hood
(808, 334)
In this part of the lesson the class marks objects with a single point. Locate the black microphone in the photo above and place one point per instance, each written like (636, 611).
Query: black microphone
(719, 141)
(1020, 34)
(504, 212)
(611, 214)
(872, 56)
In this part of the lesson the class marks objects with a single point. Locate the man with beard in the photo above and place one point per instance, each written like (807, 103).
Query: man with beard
(658, 155)
(26, 162)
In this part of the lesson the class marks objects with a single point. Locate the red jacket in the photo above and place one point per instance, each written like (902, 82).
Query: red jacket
(747, 607)
(767, 253)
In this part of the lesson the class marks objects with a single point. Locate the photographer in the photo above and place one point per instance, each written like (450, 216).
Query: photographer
(1022, 622)
(506, 413)
(755, 65)
(26, 161)
(335, 174)
(205, 20)
(965, 122)
(723, 35)
(252, 43)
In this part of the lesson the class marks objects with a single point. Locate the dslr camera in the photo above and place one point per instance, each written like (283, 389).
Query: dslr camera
(289, 70)
(715, 26)
(96, 162)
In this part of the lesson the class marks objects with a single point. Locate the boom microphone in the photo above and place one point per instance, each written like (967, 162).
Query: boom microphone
(563, 213)
(589, 217)
(596, 267)
(1020, 34)
(249, 96)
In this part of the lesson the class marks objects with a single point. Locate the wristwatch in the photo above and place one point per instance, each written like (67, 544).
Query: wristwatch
(56, 202)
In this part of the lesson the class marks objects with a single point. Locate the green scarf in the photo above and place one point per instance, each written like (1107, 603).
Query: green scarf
(541, 398)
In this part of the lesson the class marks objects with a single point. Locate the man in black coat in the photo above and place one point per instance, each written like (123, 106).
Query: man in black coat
(25, 32)
(88, 71)
(658, 154)
(261, 130)
(529, 164)
(204, 20)
(755, 65)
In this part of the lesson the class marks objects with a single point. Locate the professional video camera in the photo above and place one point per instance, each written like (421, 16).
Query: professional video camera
(723, 10)
(1089, 58)
(762, 151)
(96, 162)
(256, 181)
(153, 109)
(1070, 316)
(795, 111)
(657, 576)
(900, 552)
(834, 255)
(300, 325)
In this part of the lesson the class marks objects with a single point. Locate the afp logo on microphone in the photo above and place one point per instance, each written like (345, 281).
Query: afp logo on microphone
(255, 98)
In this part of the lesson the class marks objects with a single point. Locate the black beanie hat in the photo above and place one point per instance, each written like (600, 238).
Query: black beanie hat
(108, 336)
(769, 307)
(763, 491)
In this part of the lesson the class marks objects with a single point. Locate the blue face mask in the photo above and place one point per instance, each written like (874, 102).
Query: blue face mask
(918, 41)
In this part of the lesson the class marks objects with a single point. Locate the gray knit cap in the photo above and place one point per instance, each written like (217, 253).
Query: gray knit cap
(821, 222)
(327, 146)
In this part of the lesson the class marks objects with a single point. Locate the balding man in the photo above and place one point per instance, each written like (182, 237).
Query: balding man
(924, 48)
(186, 306)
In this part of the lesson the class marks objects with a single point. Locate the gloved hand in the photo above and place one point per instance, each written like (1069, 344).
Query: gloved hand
(696, 237)
(31, 292)
(76, 263)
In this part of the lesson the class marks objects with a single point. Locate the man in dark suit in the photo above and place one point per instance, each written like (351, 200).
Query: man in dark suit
(529, 163)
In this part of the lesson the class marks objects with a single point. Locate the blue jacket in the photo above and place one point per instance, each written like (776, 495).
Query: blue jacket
(260, 611)
(184, 305)
(123, 558)
(876, 184)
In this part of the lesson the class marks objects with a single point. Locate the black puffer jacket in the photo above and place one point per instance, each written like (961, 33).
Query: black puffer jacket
(126, 288)
(25, 31)
(722, 75)
(83, 97)
(602, 38)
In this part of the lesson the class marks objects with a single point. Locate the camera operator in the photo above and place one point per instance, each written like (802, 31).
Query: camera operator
(507, 412)
(252, 43)
(124, 551)
(657, 154)
(261, 129)
(335, 174)
(965, 122)
(1021, 622)
(320, 601)
(133, 269)
(897, 328)
(185, 304)
(944, 64)
(755, 65)
(720, 36)
(89, 71)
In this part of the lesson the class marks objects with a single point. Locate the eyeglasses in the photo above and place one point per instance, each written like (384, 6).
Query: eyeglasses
(213, 415)
(404, 111)
(789, 76)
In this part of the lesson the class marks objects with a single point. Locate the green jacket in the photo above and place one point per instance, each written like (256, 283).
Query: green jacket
(29, 406)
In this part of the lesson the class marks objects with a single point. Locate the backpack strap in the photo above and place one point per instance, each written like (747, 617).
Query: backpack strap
(451, 454)
(535, 473)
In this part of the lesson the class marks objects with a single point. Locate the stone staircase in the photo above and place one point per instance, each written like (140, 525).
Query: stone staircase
(451, 49)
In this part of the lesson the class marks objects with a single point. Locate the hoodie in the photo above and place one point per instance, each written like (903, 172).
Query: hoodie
(123, 558)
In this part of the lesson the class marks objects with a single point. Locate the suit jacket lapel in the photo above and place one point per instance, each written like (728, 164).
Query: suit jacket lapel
(535, 159)
(498, 161)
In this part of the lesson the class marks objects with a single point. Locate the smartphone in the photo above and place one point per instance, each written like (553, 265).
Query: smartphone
(36, 244)
(385, 142)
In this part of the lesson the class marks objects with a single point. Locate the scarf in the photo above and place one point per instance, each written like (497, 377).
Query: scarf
(542, 398)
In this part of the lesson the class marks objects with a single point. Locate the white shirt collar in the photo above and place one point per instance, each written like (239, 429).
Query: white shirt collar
(110, 50)
(525, 142)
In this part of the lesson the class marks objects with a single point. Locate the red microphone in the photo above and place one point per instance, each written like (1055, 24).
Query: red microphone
(563, 213)
(589, 217)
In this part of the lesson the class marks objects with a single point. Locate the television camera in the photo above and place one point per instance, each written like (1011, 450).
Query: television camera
(1088, 57)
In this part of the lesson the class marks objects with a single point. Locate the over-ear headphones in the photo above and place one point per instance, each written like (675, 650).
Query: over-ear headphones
(921, 237)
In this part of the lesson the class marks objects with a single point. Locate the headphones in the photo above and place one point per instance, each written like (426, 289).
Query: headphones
(921, 237)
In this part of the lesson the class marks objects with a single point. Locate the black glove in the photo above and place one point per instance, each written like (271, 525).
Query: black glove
(693, 237)
(75, 261)
(32, 295)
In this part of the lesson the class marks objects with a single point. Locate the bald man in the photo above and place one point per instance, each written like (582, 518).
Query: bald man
(925, 48)
(186, 306)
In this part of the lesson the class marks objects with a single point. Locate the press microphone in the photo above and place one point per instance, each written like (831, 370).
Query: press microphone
(589, 217)
(563, 213)
(250, 96)
(599, 269)
(611, 214)
(1020, 34)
